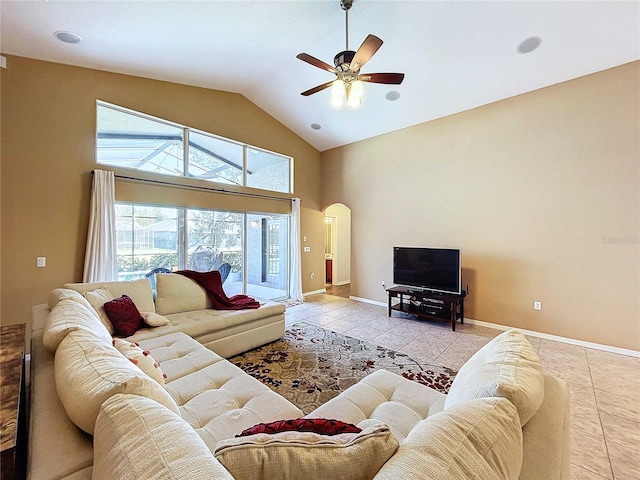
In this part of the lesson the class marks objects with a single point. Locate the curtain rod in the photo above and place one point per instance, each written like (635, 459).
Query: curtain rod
(197, 187)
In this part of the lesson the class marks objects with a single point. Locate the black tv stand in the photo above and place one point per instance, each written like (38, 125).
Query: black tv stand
(428, 304)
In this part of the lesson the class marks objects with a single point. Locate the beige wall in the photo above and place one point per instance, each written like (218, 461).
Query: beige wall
(540, 191)
(48, 151)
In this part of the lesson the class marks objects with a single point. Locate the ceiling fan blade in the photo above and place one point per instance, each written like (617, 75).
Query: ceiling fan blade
(313, 90)
(305, 57)
(388, 78)
(370, 46)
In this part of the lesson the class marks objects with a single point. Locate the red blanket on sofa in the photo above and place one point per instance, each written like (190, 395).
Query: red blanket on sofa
(212, 283)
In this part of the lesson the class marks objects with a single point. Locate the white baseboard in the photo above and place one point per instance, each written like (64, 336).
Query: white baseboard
(322, 290)
(344, 282)
(546, 336)
(366, 300)
(557, 338)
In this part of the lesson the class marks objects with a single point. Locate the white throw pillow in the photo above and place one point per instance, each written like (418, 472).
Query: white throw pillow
(97, 299)
(480, 439)
(507, 367)
(137, 438)
(88, 372)
(296, 455)
(140, 358)
(153, 319)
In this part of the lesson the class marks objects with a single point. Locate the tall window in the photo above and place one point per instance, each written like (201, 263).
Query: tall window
(134, 140)
(174, 238)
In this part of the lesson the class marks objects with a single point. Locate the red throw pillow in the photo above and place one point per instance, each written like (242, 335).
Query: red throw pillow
(124, 316)
(322, 426)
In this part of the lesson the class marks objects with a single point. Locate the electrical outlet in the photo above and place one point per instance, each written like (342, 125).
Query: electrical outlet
(307, 249)
(537, 305)
(312, 275)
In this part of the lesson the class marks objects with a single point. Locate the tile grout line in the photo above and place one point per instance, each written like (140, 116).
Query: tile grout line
(604, 435)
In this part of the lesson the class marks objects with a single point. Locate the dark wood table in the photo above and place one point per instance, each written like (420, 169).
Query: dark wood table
(12, 402)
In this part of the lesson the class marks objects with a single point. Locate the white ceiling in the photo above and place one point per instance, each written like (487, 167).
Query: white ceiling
(456, 55)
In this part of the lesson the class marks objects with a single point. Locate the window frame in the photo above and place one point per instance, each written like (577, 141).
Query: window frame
(186, 145)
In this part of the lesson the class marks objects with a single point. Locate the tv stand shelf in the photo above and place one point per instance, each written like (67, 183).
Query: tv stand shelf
(428, 304)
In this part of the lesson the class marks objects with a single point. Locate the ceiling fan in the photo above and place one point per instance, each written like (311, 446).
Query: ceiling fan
(347, 68)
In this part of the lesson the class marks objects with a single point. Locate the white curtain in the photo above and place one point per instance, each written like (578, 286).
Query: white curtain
(295, 283)
(100, 261)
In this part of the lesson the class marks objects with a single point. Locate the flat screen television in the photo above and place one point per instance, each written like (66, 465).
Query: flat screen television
(436, 269)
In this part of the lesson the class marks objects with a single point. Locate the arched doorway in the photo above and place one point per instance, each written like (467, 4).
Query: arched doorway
(338, 249)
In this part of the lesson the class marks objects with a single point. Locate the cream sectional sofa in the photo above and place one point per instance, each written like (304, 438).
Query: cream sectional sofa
(94, 414)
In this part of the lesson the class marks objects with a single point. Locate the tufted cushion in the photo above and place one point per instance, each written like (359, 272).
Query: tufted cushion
(177, 293)
(508, 367)
(87, 372)
(97, 299)
(305, 455)
(384, 397)
(71, 314)
(124, 316)
(140, 358)
(479, 439)
(136, 438)
(217, 398)
(138, 290)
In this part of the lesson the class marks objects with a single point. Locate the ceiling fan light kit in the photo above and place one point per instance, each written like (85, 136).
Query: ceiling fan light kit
(347, 63)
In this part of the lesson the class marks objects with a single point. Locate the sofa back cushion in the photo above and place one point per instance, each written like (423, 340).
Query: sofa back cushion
(176, 293)
(507, 367)
(478, 439)
(58, 294)
(136, 438)
(88, 371)
(72, 314)
(297, 455)
(138, 290)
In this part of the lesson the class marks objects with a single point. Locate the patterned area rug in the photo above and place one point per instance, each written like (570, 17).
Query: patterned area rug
(310, 365)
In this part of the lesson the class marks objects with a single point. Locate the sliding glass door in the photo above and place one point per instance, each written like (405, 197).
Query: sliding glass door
(176, 238)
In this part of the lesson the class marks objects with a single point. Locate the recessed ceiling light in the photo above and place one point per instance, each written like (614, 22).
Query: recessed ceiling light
(530, 44)
(392, 95)
(67, 37)
(316, 126)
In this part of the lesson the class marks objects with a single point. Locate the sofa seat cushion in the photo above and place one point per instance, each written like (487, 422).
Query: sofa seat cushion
(479, 439)
(198, 323)
(138, 438)
(218, 399)
(69, 315)
(307, 455)
(179, 354)
(384, 397)
(88, 372)
(507, 367)
(138, 290)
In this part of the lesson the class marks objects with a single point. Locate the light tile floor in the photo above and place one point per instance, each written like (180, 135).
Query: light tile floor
(605, 387)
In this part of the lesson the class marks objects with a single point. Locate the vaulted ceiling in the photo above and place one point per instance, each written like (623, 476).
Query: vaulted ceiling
(456, 55)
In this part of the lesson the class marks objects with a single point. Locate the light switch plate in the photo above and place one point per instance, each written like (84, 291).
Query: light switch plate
(41, 262)
(307, 249)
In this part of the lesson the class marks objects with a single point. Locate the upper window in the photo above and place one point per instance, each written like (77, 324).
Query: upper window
(134, 140)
